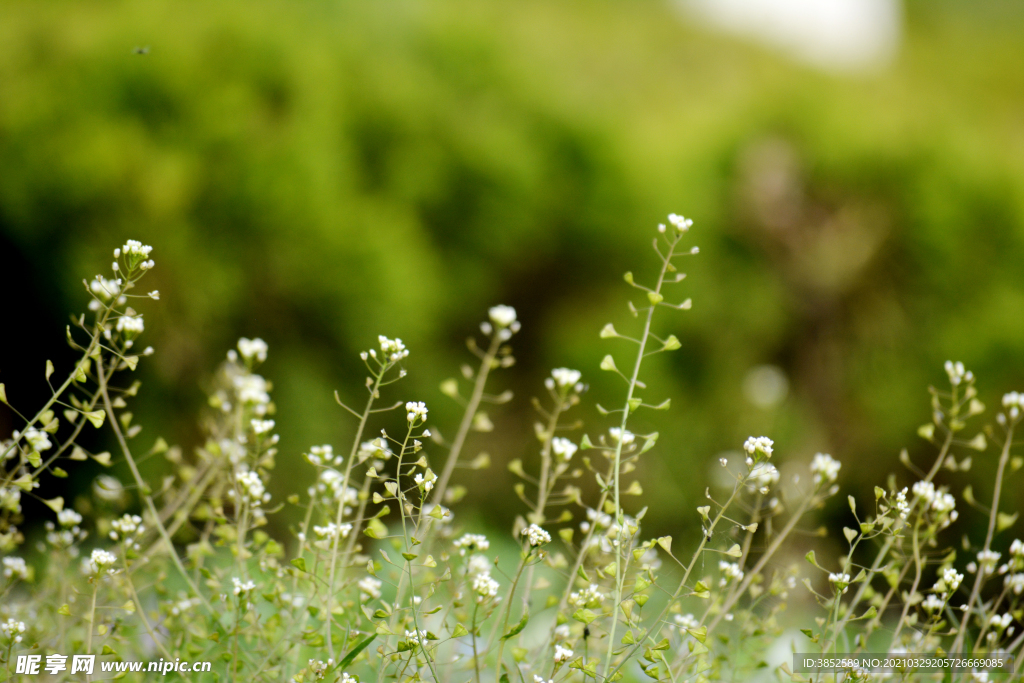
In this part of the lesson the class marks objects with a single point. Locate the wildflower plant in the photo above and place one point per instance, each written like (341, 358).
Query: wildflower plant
(380, 581)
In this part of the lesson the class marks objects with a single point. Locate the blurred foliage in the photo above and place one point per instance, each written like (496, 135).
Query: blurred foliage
(316, 173)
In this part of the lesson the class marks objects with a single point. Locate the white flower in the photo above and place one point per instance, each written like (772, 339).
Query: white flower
(1000, 622)
(502, 316)
(126, 526)
(1014, 582)
(414, 637)
(332, 531)
(564, 377)
(484, 586)
(562, 654)
(253, 348)
(105, 289)
(902, 506)
(426, 481)
(625, 436)
(987, 559)
(262, 426)
(394, 350)
(134, 248)
(478, 564)
(730, 570)
(472, 542)
(345, 678)
(130, 324)
(37, 440)
(685, 621)
(242, 587)
(369, 587)
(932, 603)
(764, 475)
(252, 390)
(1013, 400)
(563, 448)
(536, 535)
(12, 630)
(69, 517)
(15, 568)
(562, 631)
(824, 468)
(252, 487)
(841, 581)
(680, 223)
(951, 579)
(590, 596)
(924, 490)
(319, 668)
(541, 679)
(416, 411)
(957, 373)
(101, 559)
(761, 443)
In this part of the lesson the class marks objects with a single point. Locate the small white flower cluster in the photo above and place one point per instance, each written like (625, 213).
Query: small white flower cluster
(130, 325)
(623, 436)
(333, 531)
(502, 316)
(135, 254)
(536, 535)
(541, 679)
(902, 506)
(393, 349)
(681, 224)
(369, 588)
(10, 499)
(471, 543)
(1015, 583)
(759, 443)
(415, 637)
(840, 580)
(252, 391)
(763, 476)
(484, 586)
(824, 468)
(126, 527)
(988, 559)
(685, 621)
(932, 603)
(377, 449)
(416, 412)
(253, 350)
(730, 570)
(105, 290)
(335, 481)
(38, 441)
(241, 586)
(319, 668)
(100, 560)
(321, 455)
(252, 487)
(426, 480)
(262, 426)
(563, 448)
(1014, 403)
(562, 654)
(478, 564)
(184, 606)
(564, 377)
(15, 568)
(12, 630)
(1000, 622)
(957, 374)
(68, 517)
(591, 596)
(950, 581)
(944, 504)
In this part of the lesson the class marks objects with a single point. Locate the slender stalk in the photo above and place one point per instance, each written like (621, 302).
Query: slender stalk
(144, 488)
(441, 485)
(1004, 457)
(617, 469)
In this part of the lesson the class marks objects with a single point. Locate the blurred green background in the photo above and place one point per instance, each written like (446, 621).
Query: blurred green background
(316, 173)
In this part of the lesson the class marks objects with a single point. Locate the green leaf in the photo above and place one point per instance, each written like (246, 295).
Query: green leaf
(608, 331)
(55, 504)
(810, 558)
(655, 298)
(978, 443)
(628, 277)
(299, 563)
(58, 472)
(580, 572)
(666, 543)
(879, 493)
(649, 442)
(926, 431)
(734, 551)
(700, 634)
(354, 652)
(64, 610)
(49, 370)
(410, 556)
(460, 631)
(671, 344)
(585, 443)
(107, 650)
(96, 417)
(517, 629)
(608, 363)
(634, 403)
(131, 361)
(3, 393)
(849, 533)
(853, 504)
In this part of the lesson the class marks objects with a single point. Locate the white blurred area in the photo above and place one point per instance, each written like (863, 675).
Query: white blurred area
(835, 35)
